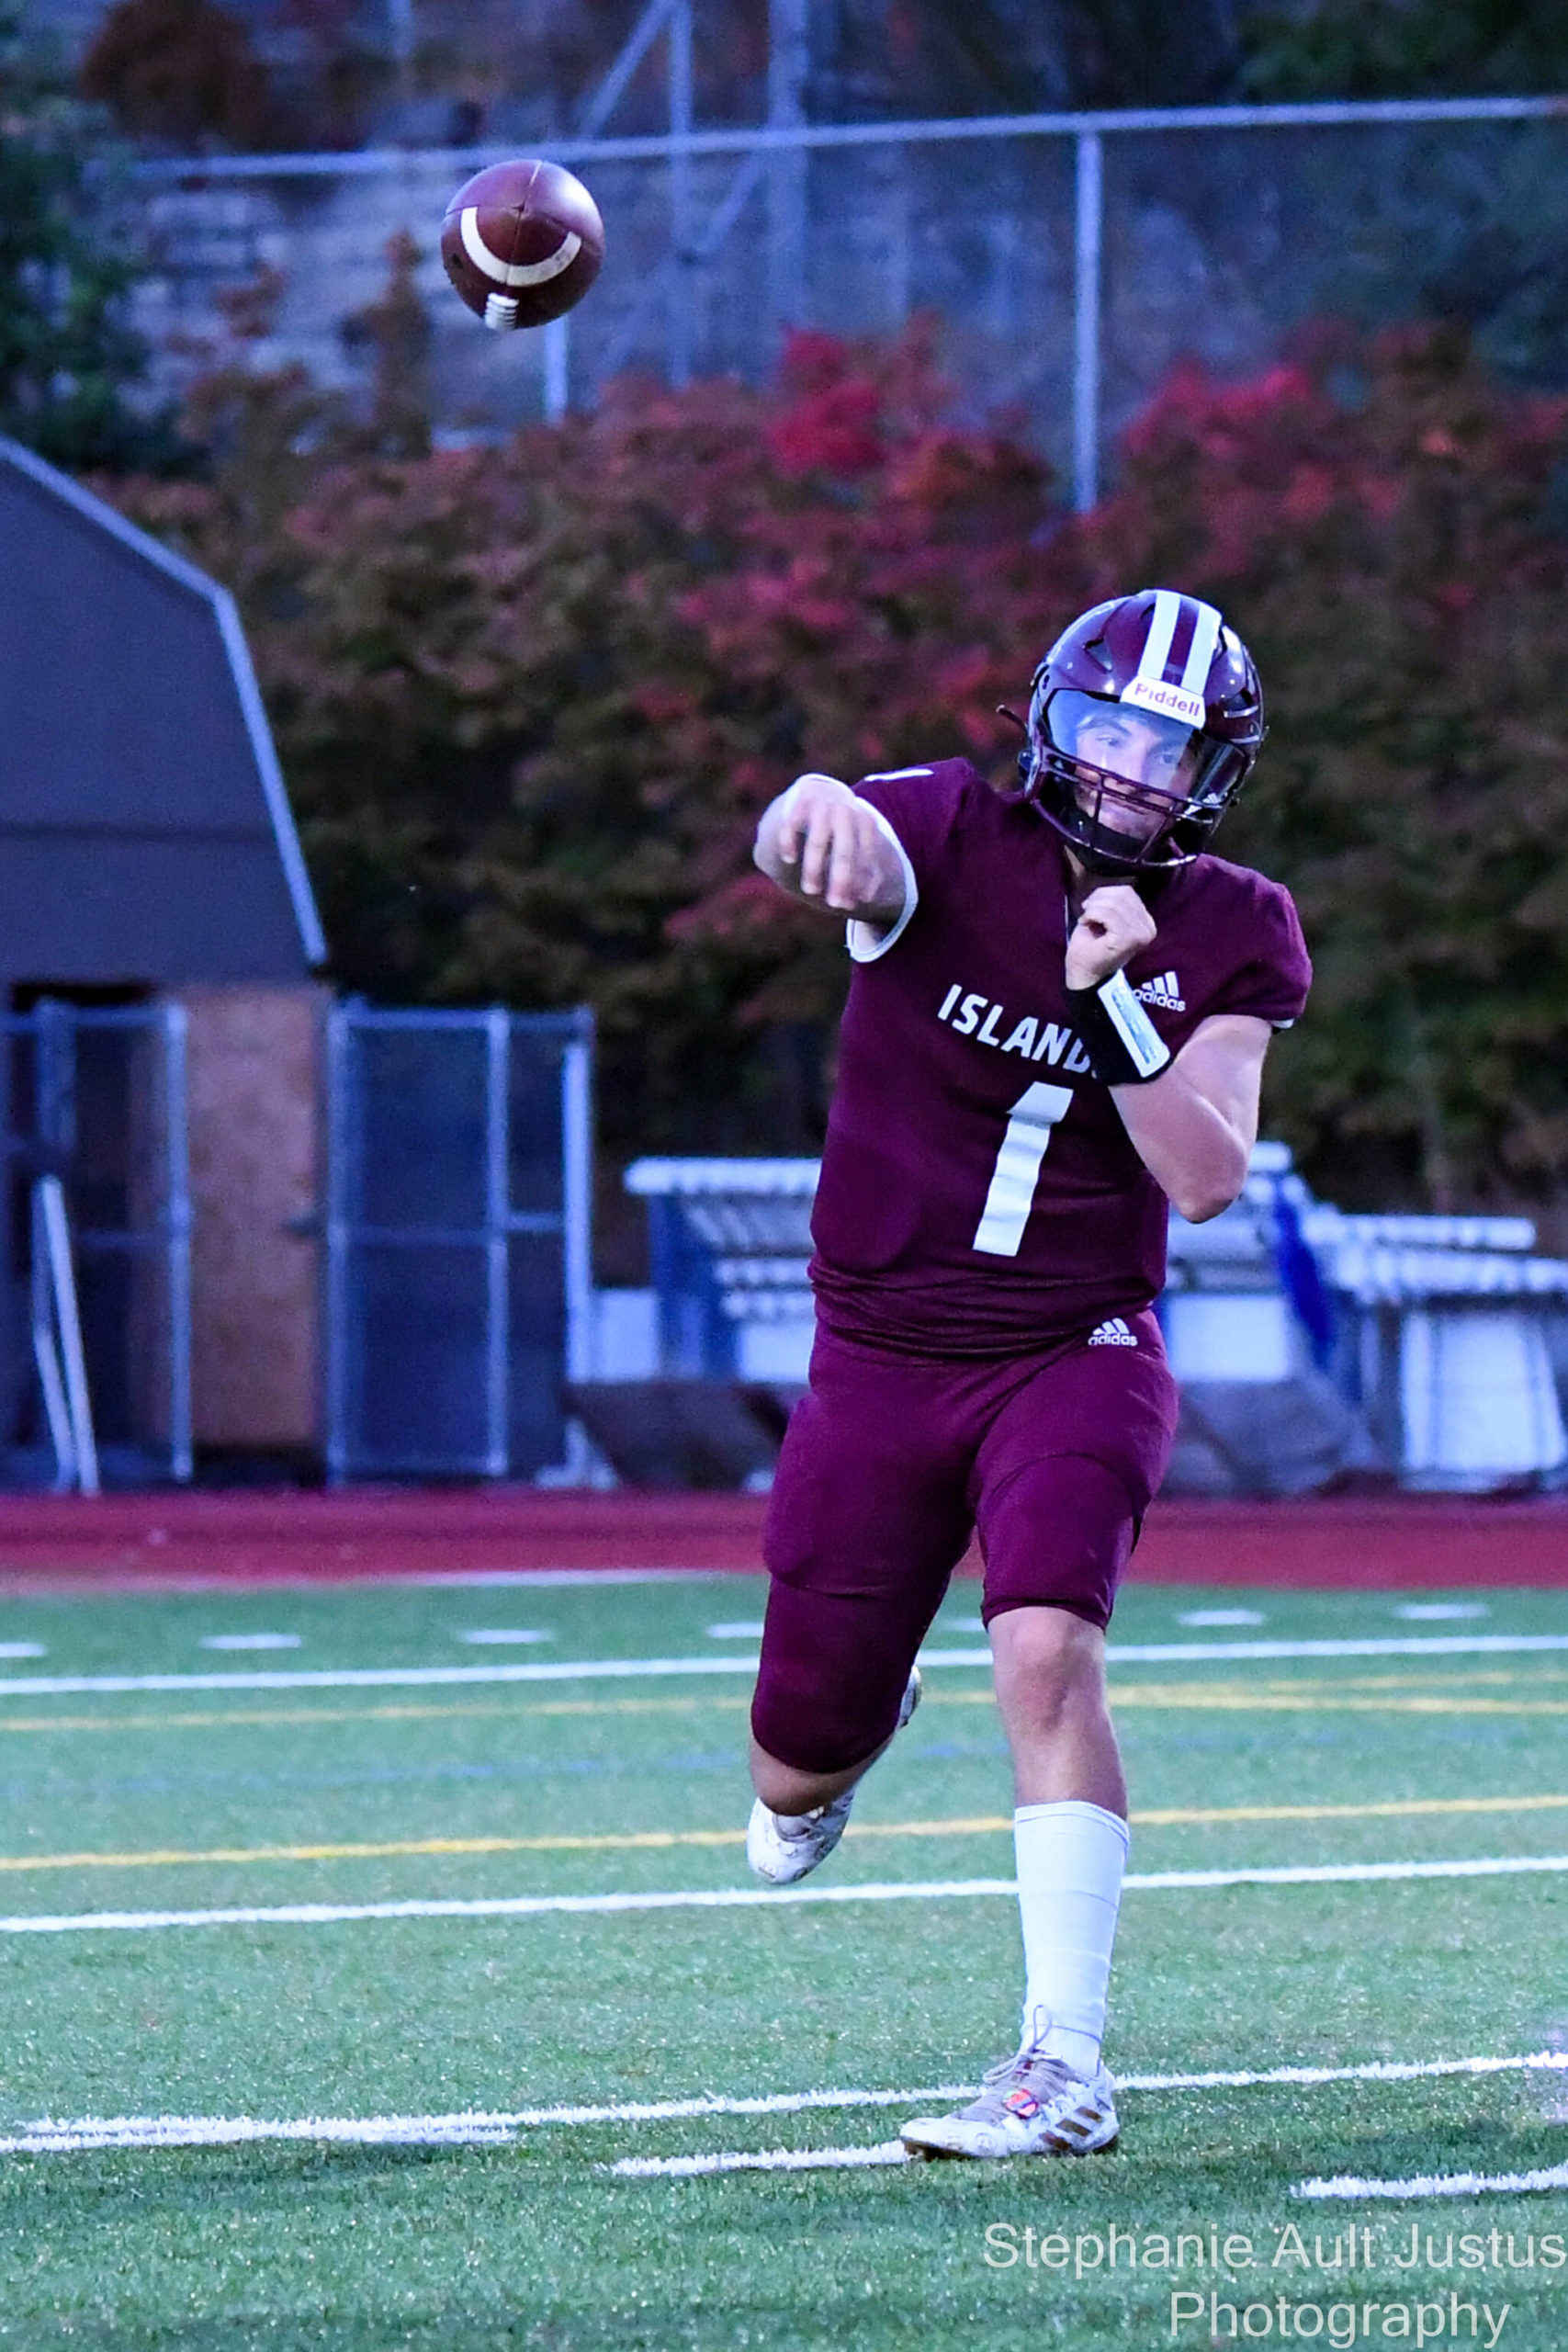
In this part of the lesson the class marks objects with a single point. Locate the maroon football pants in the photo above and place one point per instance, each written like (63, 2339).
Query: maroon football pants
(889, 1464)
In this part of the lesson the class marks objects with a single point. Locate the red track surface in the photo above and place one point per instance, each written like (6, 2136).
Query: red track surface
(173, 1538)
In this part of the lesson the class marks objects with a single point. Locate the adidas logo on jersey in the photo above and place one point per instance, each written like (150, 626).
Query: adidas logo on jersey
(1165, 990)
(1112, 1333)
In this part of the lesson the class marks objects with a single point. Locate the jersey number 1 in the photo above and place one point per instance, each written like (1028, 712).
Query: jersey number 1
(1017, 1171)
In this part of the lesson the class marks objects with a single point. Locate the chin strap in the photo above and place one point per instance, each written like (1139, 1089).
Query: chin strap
(1123, 1046)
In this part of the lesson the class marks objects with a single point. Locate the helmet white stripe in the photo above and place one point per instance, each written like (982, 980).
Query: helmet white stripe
(1200, 652)
(1162, 629)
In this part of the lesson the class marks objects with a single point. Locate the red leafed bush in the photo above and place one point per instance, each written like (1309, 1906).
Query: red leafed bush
(532, 699)
(1384, 523)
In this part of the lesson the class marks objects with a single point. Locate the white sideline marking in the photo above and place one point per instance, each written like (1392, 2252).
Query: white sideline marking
(680, 2110)
(1222, 1617)
(1433, 1608)
(1425, 2184)
(1332, 1873)
(500, 1907)
(1370, 1645)
(885, 2152)
(48, 2136)
(729, 1898)
(893, 2152)
(38, 1686)
(22, 1649)
(251, 1640)
(498, 1637)
(377, 1678)
(744, 1629)
(1377, 2070)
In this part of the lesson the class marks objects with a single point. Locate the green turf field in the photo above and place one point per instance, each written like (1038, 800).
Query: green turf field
(153, 1801)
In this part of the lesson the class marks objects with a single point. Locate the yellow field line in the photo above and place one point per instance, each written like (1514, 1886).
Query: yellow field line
(339, 1853)
(373, 1714)
(981, 1824)
(1407, 1680)
(1279, 1692)
(1233, 1699)
(1171, 1816)
(1280, 1701)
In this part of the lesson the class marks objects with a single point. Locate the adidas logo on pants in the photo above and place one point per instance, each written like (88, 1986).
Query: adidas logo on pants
(1112, 1334)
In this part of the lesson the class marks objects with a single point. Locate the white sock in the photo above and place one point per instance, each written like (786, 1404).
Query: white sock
(1071, 1856)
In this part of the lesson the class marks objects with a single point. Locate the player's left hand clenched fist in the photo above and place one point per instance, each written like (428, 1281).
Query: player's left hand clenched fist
(1114, 924)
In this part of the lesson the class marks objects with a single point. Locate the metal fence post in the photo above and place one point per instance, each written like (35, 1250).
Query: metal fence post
(577, 1173)
(400, 34)
(52, 1237)
(498, 1210)
(178, 1218)
(56, 1075)
(789, 63)
(557, 369)
(335, 1286)
(680, 47)
(633, 49)
(47, 1351)
(1088, 222)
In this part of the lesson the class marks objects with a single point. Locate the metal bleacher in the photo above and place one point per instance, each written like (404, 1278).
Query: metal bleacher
(1310, 1342)
(729, 1241)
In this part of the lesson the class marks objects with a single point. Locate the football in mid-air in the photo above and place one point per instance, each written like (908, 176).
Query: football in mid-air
(522, 243)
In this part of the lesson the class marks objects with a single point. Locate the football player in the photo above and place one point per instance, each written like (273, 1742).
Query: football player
(1056, 1025)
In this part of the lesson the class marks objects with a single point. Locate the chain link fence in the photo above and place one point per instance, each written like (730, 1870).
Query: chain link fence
(1071, 260)
(456, 1242)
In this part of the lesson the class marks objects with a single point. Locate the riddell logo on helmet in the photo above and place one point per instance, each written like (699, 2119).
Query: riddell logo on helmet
(1168, 702)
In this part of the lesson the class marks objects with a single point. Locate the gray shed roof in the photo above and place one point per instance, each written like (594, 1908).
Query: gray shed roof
(145, 834)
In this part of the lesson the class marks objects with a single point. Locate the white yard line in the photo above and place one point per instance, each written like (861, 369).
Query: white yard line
(1378, 2070)
(50, 2135)
(500, 1636)
(46, 2138)
(1372, 1646)
(727, 1898)
(382, 1677)
(1452, 2184)
(252, 1641)
(1334, 1874)
(38, 1686)
(885, 2152)
(513, 1906)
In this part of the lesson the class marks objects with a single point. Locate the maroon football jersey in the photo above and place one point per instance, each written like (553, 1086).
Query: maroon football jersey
(978, 1189)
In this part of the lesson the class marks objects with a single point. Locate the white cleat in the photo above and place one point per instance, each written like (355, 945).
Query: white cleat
(1029, 2105)
(782, 1847)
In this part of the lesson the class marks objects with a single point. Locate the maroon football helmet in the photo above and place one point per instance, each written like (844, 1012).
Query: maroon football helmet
(1145, 720)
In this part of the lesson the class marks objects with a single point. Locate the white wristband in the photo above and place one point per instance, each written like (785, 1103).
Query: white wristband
(1137, 1032)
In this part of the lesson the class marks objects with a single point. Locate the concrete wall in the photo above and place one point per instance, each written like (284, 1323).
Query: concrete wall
(256, 1146)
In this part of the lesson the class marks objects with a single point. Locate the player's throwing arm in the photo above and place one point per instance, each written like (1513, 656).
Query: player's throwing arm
(822, 842)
